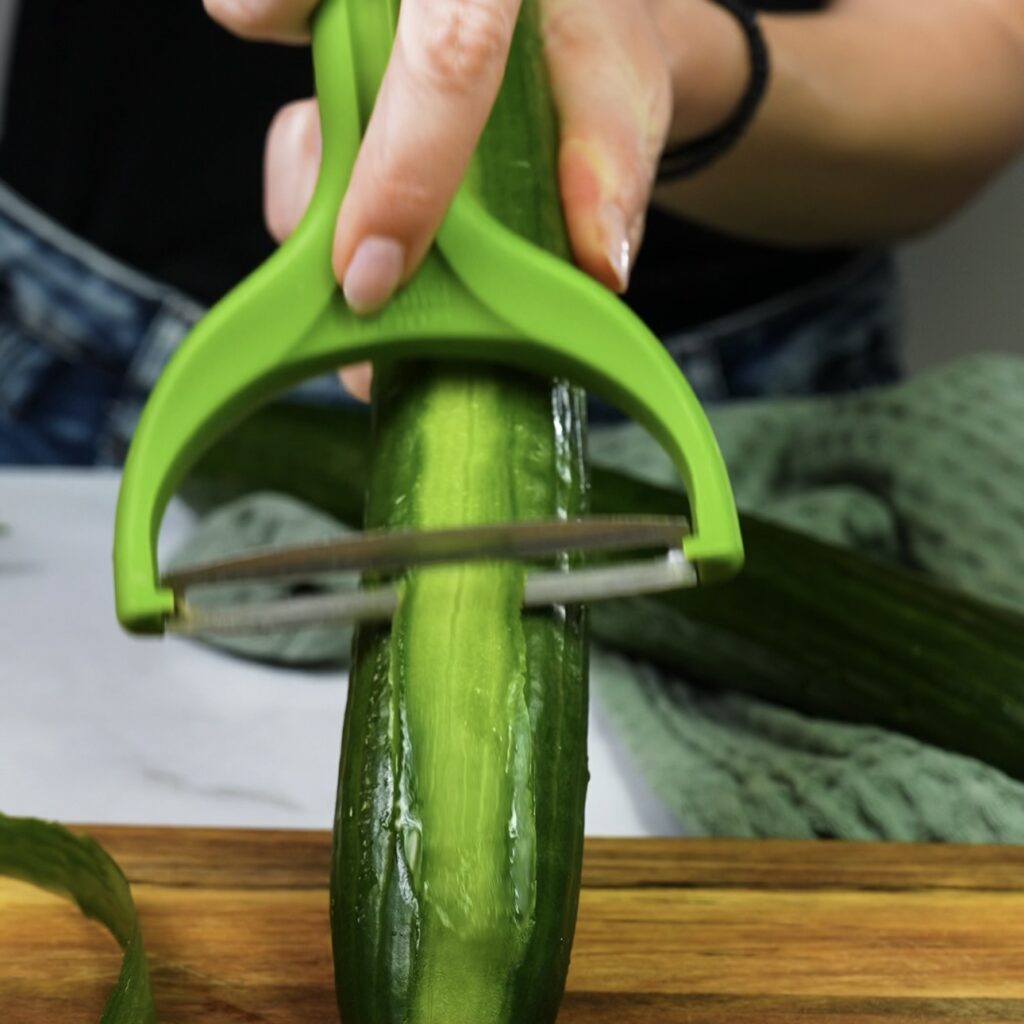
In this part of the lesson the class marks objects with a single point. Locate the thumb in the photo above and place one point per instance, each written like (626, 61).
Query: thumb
(612, 88)
(291, 163)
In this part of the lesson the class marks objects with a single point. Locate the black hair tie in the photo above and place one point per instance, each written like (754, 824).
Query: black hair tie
(690, 157)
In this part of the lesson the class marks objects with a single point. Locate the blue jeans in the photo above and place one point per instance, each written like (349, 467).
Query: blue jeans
(83, 339)
(838, 333)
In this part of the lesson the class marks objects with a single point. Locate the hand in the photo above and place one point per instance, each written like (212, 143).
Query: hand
(612, 82)
(709, 65)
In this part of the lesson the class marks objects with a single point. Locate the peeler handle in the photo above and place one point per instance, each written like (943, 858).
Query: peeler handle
(572, 326)
(483, 293)
(262, 336)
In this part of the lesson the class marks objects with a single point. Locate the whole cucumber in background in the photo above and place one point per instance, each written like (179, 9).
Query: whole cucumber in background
(459, 823)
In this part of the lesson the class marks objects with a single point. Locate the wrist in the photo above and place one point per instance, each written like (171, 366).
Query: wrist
(709, 63)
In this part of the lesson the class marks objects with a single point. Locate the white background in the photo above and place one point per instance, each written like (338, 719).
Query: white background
(96, 726)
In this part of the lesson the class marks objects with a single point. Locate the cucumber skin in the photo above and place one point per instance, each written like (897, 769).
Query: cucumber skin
(375, 907)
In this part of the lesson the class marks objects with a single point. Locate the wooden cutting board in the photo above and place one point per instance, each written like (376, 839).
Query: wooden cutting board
(670, 931)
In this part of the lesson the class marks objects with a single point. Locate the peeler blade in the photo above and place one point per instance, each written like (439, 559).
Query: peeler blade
(384, 550)
(379, 603)
(399, 550)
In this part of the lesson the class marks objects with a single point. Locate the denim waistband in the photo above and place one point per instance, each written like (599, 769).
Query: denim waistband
(83, 339)
(839, 332)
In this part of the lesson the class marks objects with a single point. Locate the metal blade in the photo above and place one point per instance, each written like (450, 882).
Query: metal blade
(604, 583)
(399, 549)
(626, 579)
(376, 604)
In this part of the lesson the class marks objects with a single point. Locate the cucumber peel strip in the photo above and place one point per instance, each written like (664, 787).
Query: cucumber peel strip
(50, 857)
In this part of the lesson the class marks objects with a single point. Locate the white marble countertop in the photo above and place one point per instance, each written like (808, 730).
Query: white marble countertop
(97, 726)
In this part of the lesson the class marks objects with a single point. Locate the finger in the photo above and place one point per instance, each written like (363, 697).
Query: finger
(290, 166)
(443, 76)
(281, 20)
(292, 162)
(612, 89)
(357, 380)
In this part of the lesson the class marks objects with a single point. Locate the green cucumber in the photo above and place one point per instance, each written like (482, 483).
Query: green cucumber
(459, 827)
(835, 634)
(460, 819)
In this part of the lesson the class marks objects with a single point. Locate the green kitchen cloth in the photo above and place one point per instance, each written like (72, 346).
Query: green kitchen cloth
(929, 473)
(261, 521)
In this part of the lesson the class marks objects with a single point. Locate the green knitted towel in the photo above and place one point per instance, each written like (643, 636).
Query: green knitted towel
(930, 473)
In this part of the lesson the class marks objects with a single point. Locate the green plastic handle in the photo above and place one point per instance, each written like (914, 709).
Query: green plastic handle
(483, 293)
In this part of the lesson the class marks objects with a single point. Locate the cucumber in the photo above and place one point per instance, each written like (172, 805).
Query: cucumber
(460, 819)
(835, 634)
(459, 824)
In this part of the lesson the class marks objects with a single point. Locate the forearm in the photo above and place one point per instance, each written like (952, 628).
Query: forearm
(880, 119)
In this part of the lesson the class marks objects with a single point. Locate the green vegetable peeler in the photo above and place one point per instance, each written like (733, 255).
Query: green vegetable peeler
(483, 293)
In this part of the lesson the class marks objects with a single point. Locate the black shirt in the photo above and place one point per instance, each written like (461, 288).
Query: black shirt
(687, 275)
(139, 125)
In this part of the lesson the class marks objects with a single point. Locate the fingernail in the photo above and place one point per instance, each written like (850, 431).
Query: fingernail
(373, 274)
(356, 380)
(616, 243)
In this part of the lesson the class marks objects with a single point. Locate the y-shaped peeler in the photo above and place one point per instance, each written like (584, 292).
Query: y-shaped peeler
(483, 293)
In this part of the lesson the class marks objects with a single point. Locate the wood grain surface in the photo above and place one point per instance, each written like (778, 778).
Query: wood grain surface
(670, 931)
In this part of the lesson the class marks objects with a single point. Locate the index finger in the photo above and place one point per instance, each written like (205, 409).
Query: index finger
(280, 20)
(441, 82)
